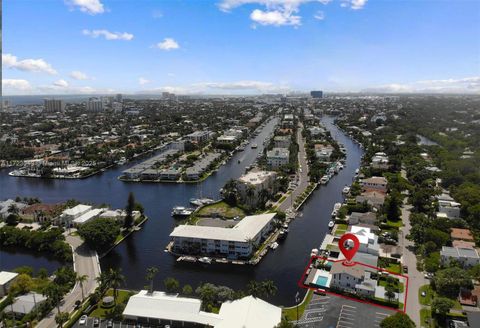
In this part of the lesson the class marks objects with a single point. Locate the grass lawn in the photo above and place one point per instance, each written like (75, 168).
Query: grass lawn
(395, 224)
(341, 229)
(291, 313)
(426, 314)
(394, 267)
(221, 209)
(427, 300)
(122, 297)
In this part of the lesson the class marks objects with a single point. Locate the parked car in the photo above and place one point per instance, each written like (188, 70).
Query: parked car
(96, 322)
(423, 294)
(405, 269)
(83, 320)
(320, 291)
(110, 324)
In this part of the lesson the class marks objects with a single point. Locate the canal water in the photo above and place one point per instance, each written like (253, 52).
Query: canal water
(145, 248)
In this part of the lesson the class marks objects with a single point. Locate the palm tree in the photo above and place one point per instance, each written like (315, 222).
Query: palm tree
(151, 272)
(250, 193)
(254, 288)
(54, 294)
(13, 208)
(269, 288)
(61, 318)
(81, 279)
(103, 281)
(116, 279)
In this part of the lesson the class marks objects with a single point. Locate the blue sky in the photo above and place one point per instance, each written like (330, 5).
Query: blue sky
(239, 46)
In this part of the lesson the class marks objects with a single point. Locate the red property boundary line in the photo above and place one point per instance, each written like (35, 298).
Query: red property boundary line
(302, 285)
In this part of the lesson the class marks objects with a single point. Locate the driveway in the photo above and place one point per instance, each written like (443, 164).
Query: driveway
(416, 278)
(85, 263)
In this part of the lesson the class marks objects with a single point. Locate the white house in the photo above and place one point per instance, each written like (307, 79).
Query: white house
(380, 161)
(277, 157)
(236, 242)
(450, 209)
(72, 213)
(354, 279)
(467, 257)
(368, 240)
(6, 280)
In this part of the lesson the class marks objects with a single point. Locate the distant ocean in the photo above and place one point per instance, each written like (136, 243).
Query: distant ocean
(75, 99)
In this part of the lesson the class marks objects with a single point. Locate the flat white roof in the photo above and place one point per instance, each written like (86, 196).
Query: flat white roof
(363, 234)
(6, 276)
(256, 177)
(249, 312)
(246, 229)
(160, 305)
(89, 215)
(79, 209)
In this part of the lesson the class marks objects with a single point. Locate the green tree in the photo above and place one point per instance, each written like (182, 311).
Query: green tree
(81, 279)
(390, 292)
(187, 290)
(285, 324)
(269, 288)
(61, 318)
(129, 209)
(171, 284)
(398, 320)
(42, 273)
(254, 288)
(151, 273)
(54, 294)
(442, 305)
(116, 279)
(447, 282)
(22, 284)
(100, 233)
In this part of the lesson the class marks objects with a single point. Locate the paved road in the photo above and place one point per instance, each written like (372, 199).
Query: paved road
(86, 263)
(303, 179)
(416, 279)
(337, 312)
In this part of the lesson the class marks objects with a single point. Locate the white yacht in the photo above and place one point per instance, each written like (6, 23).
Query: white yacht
(181, 212)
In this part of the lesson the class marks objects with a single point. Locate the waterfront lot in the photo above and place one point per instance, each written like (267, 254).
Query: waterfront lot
(335, 311)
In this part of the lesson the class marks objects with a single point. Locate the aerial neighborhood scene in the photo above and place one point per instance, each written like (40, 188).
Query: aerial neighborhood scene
(240, 164)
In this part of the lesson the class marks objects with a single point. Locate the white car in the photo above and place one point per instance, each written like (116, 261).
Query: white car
(83, 320)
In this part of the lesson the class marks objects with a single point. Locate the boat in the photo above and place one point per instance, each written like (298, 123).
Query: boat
(254, 146)
(201, 201)
(274, 245)
(187, 259)
(324, 180)
(331, 224)
(346, 190)
(282, 235)
(182, 212)
(205, 260)
(239, 161)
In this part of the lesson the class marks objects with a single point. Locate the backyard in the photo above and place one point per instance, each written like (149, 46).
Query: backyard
(220, 209)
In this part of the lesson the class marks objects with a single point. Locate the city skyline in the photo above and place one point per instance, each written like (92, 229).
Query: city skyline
(239, 47)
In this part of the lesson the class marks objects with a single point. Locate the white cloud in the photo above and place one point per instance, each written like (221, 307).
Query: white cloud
(354, 4)
(91, 7)
(61, 83)
(77, 75)
(320, 15)
(462, 85)
(143, 81)
(29, 65)
(157, 14)
(16, 84)
(275, 17)
(276, 13)
(167, 44)
(108, 35)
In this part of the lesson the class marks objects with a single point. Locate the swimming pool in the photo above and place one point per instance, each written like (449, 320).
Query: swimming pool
(322, 281)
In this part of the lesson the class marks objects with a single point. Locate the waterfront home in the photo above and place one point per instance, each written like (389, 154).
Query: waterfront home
(315, 131)
(368, 240)
(374, 184)
(40, 212)
(199, 137)
(323, 152)
(237, 242)
(160, 308)
(353, 279)
(373, 198)
(253, 183)
(24, 304)
(73, 213)
(277, 157)
(380, 161)
(466, 257)
(6, 280)
(172, 174)
(9, 204)
(356, 218)
(201, 166)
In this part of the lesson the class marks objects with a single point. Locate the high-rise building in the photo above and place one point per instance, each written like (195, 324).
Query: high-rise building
(5, 105)
(316, 94)
(118, 97)
(94, 105)
(53, 105)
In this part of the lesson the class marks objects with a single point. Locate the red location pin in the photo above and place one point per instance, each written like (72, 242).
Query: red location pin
(349, 250)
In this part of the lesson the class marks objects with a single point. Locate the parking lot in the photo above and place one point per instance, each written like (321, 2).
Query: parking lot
(337, 312)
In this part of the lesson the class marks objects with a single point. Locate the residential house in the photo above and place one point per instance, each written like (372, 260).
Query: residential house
(467, 257)
(323, 152)
(368, 240)
(374, 184)
(353, 279)
(373, 198)
(6, 280)
(380, 161)
(461, 234)
(24, 304)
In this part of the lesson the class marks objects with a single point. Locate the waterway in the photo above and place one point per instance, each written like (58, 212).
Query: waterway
(145, 248)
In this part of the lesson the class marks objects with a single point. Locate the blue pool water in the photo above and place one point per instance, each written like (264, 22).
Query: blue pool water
(321, 281)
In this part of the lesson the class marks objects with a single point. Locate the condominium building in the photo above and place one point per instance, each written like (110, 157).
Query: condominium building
(233, 243)
(277, 157)
(199, 136)
(251, 184)
(53, 105)
(466, 257)
(94, 105)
